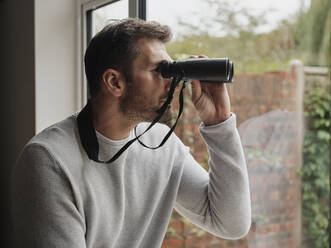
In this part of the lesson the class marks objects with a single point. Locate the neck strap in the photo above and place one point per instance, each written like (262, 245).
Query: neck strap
(88, 135)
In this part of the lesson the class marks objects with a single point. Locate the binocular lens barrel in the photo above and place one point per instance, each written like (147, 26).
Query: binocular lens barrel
(216, 70)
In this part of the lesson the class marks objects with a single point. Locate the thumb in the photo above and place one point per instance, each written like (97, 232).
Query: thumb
(196, 90)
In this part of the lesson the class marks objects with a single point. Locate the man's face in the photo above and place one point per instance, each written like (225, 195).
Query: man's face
(148, 90)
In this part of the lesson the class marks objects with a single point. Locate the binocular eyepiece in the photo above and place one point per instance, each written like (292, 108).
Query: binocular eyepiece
(215, 70)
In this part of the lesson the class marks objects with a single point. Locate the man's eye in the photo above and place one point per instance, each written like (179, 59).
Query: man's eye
(157, 69)
(156, 72)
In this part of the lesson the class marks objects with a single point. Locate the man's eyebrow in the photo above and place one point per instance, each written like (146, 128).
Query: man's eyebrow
(154, 63)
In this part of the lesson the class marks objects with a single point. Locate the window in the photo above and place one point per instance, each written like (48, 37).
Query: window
(100, 16)
(95, 15)
(267, 97)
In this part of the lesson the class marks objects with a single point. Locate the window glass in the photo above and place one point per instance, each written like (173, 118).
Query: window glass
(115, 10)
(273, 93)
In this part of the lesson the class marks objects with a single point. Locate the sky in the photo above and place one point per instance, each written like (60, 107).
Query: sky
(169, 11)
(192, 11)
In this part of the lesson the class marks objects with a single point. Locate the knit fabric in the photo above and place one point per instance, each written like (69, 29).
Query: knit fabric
(61, 198)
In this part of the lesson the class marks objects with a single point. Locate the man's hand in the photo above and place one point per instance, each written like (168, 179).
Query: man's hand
(211, 100)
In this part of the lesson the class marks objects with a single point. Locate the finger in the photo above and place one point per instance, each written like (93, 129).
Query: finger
(196, 90)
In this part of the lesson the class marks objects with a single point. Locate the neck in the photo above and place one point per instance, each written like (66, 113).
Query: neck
(108, 119)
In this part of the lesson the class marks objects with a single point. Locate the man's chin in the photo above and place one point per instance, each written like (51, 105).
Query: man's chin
(166, 118)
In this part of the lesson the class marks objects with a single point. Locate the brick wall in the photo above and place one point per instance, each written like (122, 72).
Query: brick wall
(267, 119)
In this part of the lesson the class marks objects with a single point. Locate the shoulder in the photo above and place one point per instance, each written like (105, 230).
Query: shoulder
(53, 143)
(55, 152)
(60, 138)
(58, 132)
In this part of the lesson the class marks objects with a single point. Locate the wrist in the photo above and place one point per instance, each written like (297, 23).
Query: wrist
(216, 120)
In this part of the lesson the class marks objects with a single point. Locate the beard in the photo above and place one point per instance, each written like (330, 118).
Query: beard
(139, 107)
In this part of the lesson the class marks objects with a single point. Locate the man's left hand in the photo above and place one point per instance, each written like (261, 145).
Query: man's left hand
(211, 101)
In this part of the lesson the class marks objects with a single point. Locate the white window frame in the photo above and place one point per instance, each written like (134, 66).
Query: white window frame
(83, 6)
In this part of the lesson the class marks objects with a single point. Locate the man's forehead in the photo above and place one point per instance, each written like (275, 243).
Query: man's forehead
(152, 51)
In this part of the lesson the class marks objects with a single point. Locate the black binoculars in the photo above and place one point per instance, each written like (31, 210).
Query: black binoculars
(213, 70)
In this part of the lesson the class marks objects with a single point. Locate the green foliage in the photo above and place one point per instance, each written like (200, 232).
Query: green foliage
(251, 54)
(313, 33)
(316, 169)
(306, 37)
(231, 18)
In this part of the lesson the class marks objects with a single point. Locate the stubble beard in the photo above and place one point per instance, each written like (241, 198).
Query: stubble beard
(138, 107)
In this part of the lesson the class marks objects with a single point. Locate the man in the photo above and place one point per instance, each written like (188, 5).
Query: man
(63, 198)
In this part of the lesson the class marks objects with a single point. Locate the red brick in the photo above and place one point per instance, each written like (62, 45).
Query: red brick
(173, 243)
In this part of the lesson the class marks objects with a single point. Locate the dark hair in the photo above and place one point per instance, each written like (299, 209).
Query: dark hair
(115, 47)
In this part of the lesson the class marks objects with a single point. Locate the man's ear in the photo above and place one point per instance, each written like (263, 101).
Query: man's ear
(113, 82)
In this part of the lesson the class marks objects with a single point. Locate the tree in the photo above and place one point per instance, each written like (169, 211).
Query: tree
(313, 33)
(227, 18)
(233, 30)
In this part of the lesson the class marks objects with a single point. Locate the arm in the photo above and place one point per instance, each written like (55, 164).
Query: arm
(43, 207)
(218, 202)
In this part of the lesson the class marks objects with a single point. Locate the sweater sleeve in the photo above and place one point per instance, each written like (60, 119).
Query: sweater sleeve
(218, 201)
(43, 207)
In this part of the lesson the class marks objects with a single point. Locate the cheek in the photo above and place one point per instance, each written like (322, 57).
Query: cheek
(149, 85)
(151, 88)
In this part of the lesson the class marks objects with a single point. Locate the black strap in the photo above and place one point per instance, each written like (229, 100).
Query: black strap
(89, 139)
(181, 104)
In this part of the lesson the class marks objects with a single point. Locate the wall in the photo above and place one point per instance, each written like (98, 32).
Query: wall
(56, 50)
(17, 77)
(38, 77)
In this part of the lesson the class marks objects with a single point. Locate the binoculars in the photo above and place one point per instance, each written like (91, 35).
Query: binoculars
(213, 70)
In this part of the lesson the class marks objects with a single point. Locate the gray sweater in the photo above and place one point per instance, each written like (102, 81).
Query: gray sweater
(63, 199)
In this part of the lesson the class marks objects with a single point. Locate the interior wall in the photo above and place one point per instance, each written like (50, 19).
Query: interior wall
(17, 77)
(55, 55)
(38, 77)
(38, 68)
